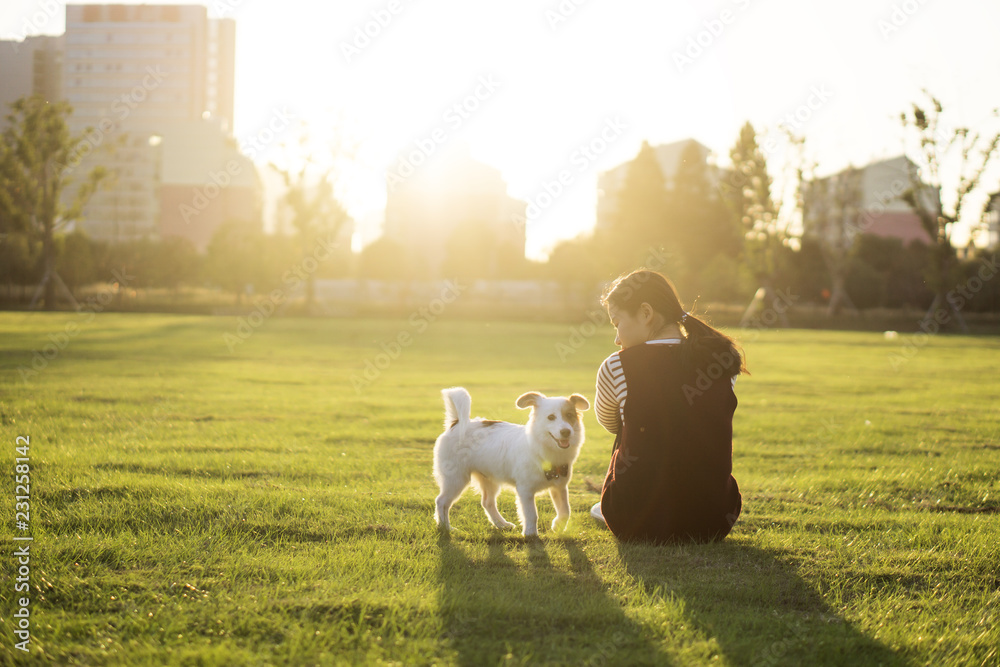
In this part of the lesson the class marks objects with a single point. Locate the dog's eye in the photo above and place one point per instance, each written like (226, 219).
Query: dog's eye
(552, 417)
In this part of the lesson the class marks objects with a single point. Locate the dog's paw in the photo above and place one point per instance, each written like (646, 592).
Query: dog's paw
(558, 524)
(506, 525)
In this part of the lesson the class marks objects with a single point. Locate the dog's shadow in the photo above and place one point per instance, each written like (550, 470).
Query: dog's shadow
(753, 603)
(503, 601)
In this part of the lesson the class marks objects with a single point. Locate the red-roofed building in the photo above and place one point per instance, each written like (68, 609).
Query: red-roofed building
(903, 225)
(869, 201)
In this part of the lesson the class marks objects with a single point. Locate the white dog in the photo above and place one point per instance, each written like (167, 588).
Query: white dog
(493, 454)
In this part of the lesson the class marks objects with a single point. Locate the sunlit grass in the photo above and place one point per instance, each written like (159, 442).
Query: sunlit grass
(193, 505)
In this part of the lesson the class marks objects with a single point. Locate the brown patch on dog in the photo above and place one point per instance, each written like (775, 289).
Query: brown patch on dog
(570, 413)
(484, 422)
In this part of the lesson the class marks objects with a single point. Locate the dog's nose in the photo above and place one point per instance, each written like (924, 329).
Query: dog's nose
(565, 432)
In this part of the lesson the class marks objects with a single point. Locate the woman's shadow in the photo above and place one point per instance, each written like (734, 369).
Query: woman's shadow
(503, 601)
(753, 603)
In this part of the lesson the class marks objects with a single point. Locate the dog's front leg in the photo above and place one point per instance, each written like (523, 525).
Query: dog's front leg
(560, 498)
(529, 514)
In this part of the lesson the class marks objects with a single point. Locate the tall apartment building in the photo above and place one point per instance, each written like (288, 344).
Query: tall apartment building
(32, 66)
(133, 73)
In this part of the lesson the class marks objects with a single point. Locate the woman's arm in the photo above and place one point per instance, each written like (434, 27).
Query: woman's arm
(611, 392)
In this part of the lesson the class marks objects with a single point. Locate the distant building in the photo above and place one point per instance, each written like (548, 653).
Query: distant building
(204, 182)
(668, 156)
(140, 78)
(878, 192)
(32, 66)
(992, 221)
(161, 63)
(451, 194)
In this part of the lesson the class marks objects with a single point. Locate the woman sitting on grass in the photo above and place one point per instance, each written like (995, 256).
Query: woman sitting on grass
(668, 397)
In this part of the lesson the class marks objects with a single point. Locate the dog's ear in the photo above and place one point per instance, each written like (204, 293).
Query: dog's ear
(528, 400)
(579, 402)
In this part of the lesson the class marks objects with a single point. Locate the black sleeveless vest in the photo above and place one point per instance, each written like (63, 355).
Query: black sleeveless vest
(670, 477)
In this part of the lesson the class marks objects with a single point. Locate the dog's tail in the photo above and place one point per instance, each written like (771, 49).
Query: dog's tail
(457, 409)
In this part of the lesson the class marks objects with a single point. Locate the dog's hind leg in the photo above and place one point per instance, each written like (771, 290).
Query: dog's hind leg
(451, 490)
(490, 490)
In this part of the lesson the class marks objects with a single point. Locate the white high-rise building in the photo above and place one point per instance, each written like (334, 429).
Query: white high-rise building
(131, 72)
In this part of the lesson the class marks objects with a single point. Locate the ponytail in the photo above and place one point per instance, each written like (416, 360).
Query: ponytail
(703, 347)
(706, 346)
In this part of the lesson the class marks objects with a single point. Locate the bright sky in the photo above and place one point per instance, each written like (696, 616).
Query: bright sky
(561, 72)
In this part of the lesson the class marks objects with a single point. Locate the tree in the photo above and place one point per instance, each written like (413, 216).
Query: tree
(173, 261)
(35, 151)
(748, 187)
(574, 265)
(899, 268)
(235, 256)
(700, 226)
(317, 216)
(76, 260)
(960, 153)
(832, 216)
(641, 218)
(19, 257)
(383, 259)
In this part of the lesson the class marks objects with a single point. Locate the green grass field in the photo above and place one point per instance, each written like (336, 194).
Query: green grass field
(200, 506)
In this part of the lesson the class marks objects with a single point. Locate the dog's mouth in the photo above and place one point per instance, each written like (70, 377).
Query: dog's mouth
(563, 444)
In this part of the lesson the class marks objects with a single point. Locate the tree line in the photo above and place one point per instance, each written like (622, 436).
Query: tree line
(724, 234)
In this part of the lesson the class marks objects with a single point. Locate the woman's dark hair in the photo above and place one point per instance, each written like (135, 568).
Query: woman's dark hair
(704, 345)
